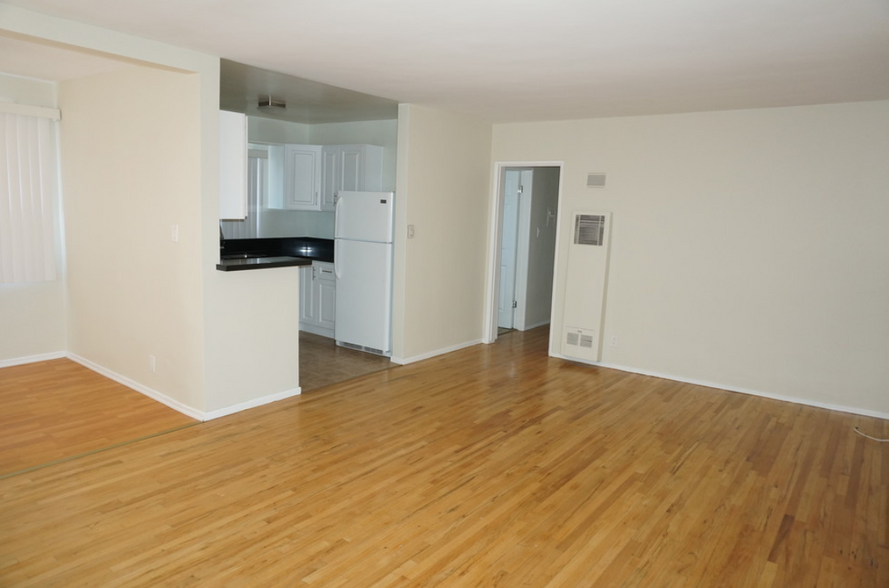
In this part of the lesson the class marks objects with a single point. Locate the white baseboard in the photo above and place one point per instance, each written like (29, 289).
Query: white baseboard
(535, 325)
(215, 414)
(175, 404)
(792, 399)
(442, 351)
(151, 393)
(31, 359)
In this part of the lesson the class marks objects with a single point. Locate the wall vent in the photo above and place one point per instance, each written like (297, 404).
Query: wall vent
(595, 180)
(589, 229)
(373, 350)
(580, 337)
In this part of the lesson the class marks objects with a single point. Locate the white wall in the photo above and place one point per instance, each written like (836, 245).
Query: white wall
(442, 190)
(268, 130)
(749, 248)
(541, 246)
(19, 90)
(253, 339)
(131, 170)
(32, 316)
(224, 377)
(32, 321)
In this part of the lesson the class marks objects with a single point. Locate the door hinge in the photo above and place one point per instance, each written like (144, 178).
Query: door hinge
(515, 303)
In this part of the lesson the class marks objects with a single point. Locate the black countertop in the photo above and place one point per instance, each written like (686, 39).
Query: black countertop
(252, 254)
(252, 263)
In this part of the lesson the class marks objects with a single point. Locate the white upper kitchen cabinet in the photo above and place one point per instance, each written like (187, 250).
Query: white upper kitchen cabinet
(350, 167)
(232, 165)
(302, 177)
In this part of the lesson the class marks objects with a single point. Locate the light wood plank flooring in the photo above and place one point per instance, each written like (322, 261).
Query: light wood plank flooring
(491, 466)
(58, 409)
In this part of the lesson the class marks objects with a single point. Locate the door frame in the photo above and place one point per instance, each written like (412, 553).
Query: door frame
(492, 279)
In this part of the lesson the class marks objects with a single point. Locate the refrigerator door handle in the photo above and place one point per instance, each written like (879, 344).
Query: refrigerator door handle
(336, 258)
(337, 204)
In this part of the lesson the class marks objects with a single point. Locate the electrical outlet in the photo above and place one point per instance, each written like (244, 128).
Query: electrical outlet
(410, 231)
(174, 233)
(614, 340)
(152, 363)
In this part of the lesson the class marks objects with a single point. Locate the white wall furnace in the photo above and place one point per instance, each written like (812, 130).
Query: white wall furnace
(587, 271)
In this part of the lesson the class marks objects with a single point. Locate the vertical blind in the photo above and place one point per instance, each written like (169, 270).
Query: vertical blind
(27, 199)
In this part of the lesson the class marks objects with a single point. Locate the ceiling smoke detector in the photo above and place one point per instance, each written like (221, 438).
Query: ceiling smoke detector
(272, 106)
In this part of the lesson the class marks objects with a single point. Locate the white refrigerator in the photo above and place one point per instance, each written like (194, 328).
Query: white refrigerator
(363, 267)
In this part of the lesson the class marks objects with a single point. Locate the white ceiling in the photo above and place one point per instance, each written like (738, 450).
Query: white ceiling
(521, 60)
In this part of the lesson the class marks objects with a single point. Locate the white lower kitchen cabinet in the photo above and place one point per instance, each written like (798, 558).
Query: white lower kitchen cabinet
(306, 299)
(317, 299)
(325, 296)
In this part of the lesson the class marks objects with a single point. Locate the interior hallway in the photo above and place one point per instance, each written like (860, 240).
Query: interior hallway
(494, 465)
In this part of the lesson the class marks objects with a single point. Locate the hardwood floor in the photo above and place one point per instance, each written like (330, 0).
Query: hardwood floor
(491, 466)
(322, 362)
(58, 409)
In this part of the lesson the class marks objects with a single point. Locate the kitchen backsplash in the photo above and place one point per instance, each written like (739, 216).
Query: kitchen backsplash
(296, 223)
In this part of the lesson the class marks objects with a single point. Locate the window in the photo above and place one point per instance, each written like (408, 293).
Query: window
(28, 174)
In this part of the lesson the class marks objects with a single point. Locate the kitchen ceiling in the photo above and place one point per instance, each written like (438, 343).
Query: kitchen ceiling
(523, 60)
(307, 102)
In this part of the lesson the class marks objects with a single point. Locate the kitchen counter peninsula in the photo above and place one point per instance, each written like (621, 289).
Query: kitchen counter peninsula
(254, 254)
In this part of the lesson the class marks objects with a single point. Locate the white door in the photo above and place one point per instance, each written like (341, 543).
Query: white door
(306, 295)
(508, 248)
(325, 296)
(363, 293)
(364, 216)
(330, 172)
(302, 176)
(351, 172)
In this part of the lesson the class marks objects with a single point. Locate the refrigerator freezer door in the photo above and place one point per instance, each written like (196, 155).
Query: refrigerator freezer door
(365, 216)
(363, 294)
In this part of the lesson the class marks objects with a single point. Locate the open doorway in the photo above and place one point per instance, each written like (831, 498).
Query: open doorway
(522, 247)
